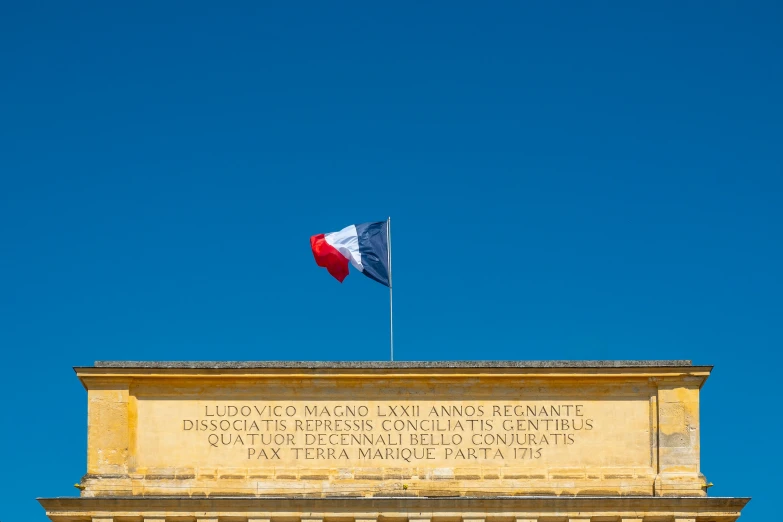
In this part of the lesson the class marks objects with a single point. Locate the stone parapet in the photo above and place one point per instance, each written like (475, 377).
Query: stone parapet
(417, 429)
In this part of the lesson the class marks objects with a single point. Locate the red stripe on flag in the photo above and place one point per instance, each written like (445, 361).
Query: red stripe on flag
(329, 257)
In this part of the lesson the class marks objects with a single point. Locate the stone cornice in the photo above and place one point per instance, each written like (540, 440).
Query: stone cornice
(386, 365)
(107, 373)
(711, 508)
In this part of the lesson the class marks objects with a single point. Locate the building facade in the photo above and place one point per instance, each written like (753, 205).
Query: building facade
(485, 441)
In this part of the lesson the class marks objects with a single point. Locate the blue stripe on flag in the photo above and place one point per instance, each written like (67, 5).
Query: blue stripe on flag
(374, 249)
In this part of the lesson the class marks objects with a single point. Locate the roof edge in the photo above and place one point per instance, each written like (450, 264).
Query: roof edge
(368, 365)
(153, 501)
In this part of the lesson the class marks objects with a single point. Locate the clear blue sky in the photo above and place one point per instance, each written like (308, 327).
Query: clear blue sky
(570, 181)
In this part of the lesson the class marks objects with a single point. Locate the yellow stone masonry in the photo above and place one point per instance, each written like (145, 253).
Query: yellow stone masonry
(480, 442)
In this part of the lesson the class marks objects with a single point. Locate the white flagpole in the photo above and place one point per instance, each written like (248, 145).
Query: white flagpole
(391, 320)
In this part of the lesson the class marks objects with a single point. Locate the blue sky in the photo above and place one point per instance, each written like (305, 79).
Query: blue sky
(570, 181)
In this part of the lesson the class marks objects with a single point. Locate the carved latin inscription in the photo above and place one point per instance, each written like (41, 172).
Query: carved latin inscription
(370, 433)
(359, 431)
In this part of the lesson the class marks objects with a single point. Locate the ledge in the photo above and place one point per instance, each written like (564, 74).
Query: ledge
(383, 365)
(337, 504)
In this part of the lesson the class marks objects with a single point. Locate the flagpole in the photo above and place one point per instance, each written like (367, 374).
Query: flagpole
(391, 315)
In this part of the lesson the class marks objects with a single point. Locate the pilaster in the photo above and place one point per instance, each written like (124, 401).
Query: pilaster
(679, 438)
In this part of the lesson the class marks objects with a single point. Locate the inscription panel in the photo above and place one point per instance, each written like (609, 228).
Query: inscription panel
(538, 433)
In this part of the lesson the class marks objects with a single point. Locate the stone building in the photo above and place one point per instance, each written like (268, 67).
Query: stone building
(487, 441)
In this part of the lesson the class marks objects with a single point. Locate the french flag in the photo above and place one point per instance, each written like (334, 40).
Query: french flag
(365, 246)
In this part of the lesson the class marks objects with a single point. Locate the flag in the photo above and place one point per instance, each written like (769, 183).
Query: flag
(365, 246)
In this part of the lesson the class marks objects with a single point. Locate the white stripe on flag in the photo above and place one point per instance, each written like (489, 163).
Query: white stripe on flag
(346, 242)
